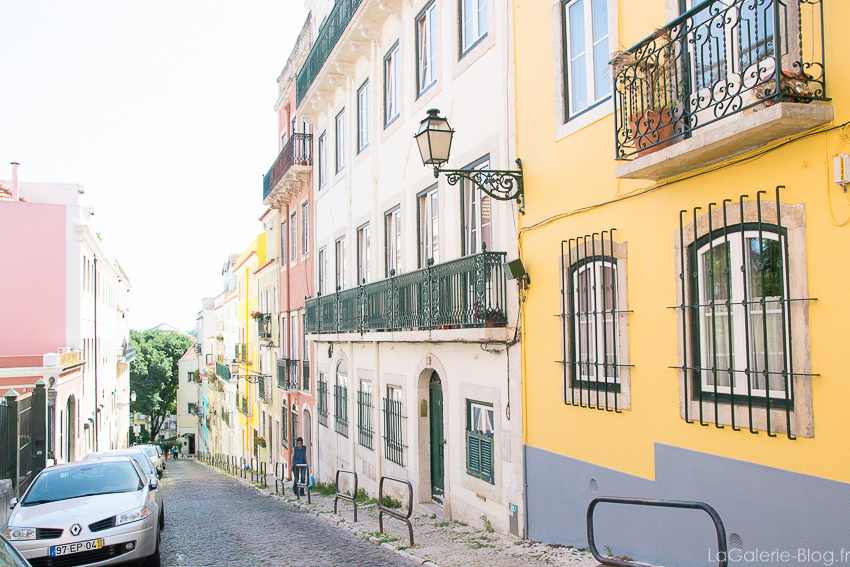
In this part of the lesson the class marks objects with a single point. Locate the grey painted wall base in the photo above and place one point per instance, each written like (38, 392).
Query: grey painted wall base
(6, 495)
(772, 517)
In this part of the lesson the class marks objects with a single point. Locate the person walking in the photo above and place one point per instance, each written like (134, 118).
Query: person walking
(176, 452)
(299, 457)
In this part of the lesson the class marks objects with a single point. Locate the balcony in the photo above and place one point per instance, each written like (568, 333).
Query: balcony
(722, 79)
(264, 327)
(222, 371)
(289, 169)
(287, 374)
(469, 292)
(241, 353)
(338, 44)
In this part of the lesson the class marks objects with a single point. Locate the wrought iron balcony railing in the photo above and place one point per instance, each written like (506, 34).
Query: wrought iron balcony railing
(326, 39)
(287, 374)
(716, 60)
(222, 371)
(467, 292)
(298, 150)
(264, 327)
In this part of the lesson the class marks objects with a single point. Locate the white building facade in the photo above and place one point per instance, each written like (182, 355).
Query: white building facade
(414, 320)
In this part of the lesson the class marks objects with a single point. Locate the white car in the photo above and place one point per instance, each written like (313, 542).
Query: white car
(101, 512)
(155, 454)
(144, 463)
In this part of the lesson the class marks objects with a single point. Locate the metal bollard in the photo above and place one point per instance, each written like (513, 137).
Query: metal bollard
(306, 481)
(339, 494)
(383, 509)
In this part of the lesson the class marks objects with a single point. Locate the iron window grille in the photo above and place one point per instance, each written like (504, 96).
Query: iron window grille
(736, 317)
(322, 402)
(480, 430)
(394, 431)
(591, 320)
(341, 410)
(364, 418)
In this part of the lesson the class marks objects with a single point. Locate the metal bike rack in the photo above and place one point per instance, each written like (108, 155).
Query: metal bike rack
(680, 504)
(278, 478)
(243, 464)
(352, 499)
(261, 473)
(300, 485)
(234, 465)
(254, 469)
(406, 517)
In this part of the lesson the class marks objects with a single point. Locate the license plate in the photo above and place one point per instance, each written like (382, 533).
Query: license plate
(76, 547)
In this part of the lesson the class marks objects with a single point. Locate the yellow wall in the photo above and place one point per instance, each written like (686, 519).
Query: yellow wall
(564, 175)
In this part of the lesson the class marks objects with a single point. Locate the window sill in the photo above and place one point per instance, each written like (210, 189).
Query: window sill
(737, 135)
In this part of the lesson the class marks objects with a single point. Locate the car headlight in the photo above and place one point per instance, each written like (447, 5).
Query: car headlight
(132, 516)
(18, 534)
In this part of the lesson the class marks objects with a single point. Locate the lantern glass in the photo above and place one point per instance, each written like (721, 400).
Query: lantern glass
(434, 139)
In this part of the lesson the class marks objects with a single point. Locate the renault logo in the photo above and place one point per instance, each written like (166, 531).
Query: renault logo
(76, 529)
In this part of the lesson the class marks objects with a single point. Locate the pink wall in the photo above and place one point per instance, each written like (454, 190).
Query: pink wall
(32, 278)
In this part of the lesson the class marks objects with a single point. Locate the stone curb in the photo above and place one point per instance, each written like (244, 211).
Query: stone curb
(331, 518)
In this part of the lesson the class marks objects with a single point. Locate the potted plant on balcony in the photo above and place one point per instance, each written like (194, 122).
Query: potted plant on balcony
(257, 316)
(496, 317)
(651, 92)
(261, 442)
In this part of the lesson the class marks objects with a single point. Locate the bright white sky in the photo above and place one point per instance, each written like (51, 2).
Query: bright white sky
(163, 110)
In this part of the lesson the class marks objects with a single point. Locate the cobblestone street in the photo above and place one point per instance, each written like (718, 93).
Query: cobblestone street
(212, 520)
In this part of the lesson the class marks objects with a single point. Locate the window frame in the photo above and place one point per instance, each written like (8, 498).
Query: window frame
(305, 228)
(339, 263)
(392, 89)
(339, 131)
(427, 74)
(293, 237)
(569, 112)
(425, 227)
(364, 254)
(322, 152)
(476, 441)
(466, 48)
(473, 244)
(363, 116)
(392, 241)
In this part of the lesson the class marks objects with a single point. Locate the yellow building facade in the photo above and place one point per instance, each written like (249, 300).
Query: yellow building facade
(682, 333)
(246, 355)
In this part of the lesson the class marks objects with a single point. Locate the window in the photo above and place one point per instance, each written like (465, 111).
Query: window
(744, 322)
(475, 213)
(339, 259)
(392, 236)
(190, 376)
(426, 48)
(293, 333)
(284, 418)
(588, 79)
(323, 159)
(294, 425)
(305, 228)
(594, 322)
(480, 430)
(305, 355)
(473, 23)
(394, 426)
(364, 256)
(392, 85)
(322, 401)
(363, 117)
(340, 140)
(429, 231)
(193, 408)
(364, 414)
(293, 237)
(323, 270)
(341, 399)
(283, 254)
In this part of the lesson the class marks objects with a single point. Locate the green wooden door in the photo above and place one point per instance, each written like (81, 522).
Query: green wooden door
(437, 459)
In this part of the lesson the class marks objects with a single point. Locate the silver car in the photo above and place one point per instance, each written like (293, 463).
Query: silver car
(9, 556)
(144, 463)
(155, 454)
(101, 512)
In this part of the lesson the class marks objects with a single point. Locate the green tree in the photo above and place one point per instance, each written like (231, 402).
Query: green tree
(153, 374)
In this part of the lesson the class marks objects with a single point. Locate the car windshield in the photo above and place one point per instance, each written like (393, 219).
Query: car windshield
(139, 456)
(150, 451)
(87, 480)
(8, 557)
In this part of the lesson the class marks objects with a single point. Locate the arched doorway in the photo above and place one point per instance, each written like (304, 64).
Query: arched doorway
(71, 423)
(435, 414)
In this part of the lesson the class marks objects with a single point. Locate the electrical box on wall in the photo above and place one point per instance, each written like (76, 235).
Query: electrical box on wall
(842, 170)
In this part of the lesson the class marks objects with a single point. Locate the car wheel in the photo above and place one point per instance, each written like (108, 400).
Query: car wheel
(154, 560)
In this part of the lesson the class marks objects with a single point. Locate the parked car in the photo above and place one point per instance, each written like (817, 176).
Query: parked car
(144, 463)
(155, 454)
(99, 511)
(9, 556)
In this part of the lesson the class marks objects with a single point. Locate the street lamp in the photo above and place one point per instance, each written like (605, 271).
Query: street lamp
(434, 139)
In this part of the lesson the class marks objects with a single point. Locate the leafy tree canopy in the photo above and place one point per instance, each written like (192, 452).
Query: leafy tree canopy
(153, 373)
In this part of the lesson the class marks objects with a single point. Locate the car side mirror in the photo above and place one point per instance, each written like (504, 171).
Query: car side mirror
(154, 484)
(159, 472)
(13, 503)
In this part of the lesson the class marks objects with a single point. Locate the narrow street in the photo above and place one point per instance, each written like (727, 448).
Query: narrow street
(214, 521)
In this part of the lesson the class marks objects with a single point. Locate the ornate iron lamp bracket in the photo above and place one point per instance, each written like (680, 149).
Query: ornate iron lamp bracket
(501, 184)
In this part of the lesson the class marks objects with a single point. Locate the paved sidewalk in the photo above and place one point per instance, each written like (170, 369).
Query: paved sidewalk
(438, 543)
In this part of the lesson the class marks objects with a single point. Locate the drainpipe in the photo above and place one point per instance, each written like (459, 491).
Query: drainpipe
(95, 352)
(376, 393)
(288, 454)
(15, 187)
